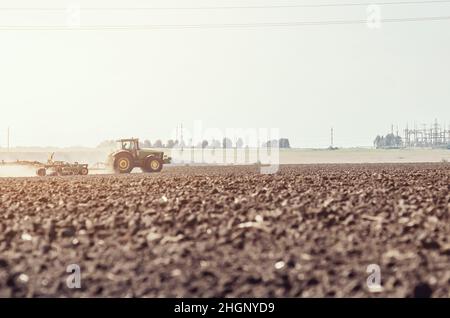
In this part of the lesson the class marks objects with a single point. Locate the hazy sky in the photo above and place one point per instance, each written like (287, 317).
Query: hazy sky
(66, 87)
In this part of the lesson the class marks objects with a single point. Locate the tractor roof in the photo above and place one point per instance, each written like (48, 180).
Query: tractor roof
(128, 139)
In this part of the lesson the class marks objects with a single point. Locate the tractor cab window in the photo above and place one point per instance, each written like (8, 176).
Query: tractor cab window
(129, 145)
(126, 145)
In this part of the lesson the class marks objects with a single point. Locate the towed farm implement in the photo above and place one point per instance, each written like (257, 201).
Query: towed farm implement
(51, 167)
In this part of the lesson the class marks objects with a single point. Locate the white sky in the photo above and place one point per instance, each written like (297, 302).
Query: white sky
(65, 87)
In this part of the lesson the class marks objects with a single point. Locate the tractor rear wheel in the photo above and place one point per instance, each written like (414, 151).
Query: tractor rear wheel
(84, 171)
(153, 164)
(123, 163)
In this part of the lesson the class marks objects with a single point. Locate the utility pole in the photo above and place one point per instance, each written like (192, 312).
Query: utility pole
(407, 141)
(424, 134)
(436, 132)
(332, 137)
(181, 136)
(7, 139)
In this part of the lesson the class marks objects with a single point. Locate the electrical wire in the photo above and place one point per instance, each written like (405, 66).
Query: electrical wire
(216, 25)
(275, 6)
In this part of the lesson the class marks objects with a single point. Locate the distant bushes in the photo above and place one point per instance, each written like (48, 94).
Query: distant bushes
(388, 141)
(281, 143)
(214, 144)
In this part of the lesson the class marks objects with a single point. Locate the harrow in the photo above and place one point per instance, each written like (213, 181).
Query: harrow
(51, 167)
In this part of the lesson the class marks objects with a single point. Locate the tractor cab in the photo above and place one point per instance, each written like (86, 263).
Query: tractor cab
(128, 144)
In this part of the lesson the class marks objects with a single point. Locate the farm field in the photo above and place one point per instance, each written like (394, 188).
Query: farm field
(199, 157)
(306, 231)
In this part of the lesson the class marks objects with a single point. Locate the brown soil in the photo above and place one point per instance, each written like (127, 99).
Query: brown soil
(306, 231)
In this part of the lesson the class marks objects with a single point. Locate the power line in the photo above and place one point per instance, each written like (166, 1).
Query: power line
(275, 6)
(215, 25)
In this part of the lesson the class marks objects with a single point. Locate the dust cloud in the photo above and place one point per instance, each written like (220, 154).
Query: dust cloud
(17, 171)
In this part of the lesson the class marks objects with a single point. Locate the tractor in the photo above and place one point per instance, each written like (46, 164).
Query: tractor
(130, 155)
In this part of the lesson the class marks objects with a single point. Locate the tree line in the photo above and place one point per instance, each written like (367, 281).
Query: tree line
(388, 141)
(212, 144)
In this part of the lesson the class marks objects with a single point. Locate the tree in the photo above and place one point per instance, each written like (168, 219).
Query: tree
(284, 143)
(239, 143)
(377, 141)
(398, 141)
(158, 144)
(227, 143)
(270, 144)
(147, 144)
(170, 143)
(215, 144)
(388, 141)
(204, 144)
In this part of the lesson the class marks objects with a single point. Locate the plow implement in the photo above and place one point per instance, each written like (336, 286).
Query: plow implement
(51, 167)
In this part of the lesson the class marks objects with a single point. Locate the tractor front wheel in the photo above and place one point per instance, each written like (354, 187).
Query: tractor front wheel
(123, 163)
(153, 164)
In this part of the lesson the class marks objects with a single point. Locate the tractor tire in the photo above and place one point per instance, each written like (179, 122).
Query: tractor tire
(84, 171)
(123, 163)
(41, 172)
(152, 164)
